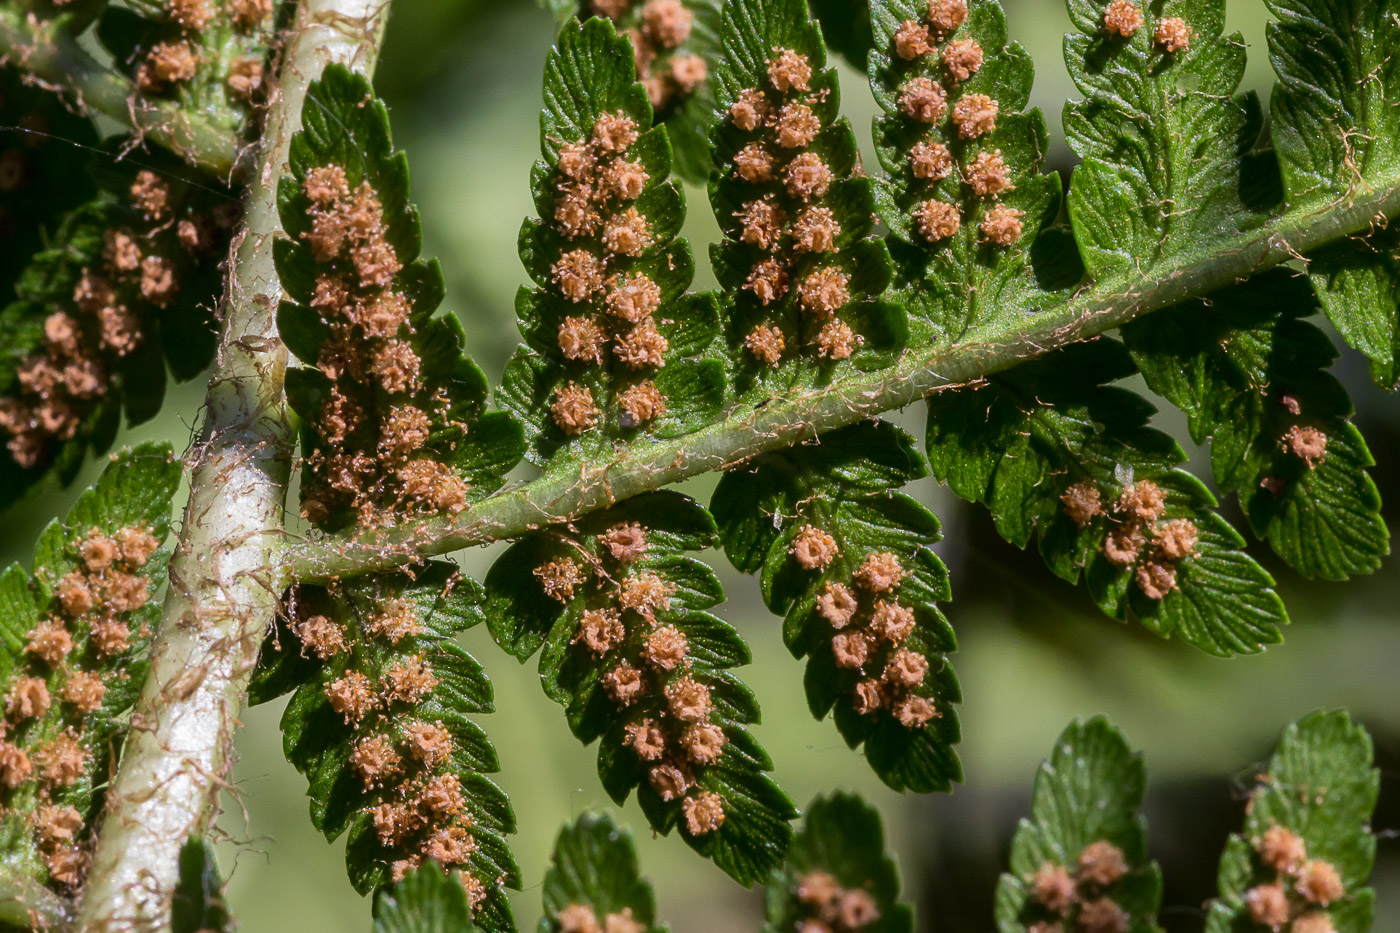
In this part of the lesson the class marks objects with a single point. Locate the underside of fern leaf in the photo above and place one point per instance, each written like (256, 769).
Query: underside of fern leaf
(631, 653)
(380, 722)
(1249, 371)
(837, 874)
(594, 883)
(615, 350)
(1055, 453)
(392, 410)
(75, 636)
(802, 275)
(845, 557)
(963, 196)
(1307, 848)
(1080, 861)
(1164, 137)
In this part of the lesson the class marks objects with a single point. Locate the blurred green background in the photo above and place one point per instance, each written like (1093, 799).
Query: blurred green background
(462, 78)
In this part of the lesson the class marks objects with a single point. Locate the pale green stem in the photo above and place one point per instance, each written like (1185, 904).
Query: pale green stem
(748, 431)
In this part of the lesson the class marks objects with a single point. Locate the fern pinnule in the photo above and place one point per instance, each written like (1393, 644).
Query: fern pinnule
(1164, 134)
(614, 345)
(81, 625)
(379, 723)
(593, 882)
(962, 193)
(838, 874)
(1080, 860)
(1059, 454)
(619, 608)
(846, 558)
(393, 411)
(1249, 371)
(802, 274)
(129, 278)
(1306, 851)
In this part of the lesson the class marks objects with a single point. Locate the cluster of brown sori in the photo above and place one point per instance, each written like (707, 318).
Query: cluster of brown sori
(940, 65)
(871, 629)
(1301, 889)
(107, 319)
(648, 665)
(1083, 900)
(830, 908)
(596, 185)
(581, 918)
(404, 763)
(175, 62)
(787, 219)
(1123, 18)
(658, 30)
(1137, 537)
(46, 745)
(378, 414)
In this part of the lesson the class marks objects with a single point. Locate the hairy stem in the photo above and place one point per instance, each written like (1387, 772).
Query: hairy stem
(222, 595)
(51, 57)
(747, 430)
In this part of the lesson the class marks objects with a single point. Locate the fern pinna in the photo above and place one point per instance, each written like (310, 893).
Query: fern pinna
(950, 268)
(393, 426)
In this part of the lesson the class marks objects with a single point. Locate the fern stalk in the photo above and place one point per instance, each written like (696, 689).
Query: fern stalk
(221, 600)
(789, 419)
(49, 53)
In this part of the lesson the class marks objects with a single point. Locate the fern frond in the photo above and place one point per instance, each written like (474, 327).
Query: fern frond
(393, 411)
(845, 557)
(593, 876)
(1307, 847)
(72, 659)
(633, 656)
(802, 274)
(1055, 452)
(208, 57)
(124, 289)
(1337, 133)
(380, 723)
(838, 874)
(963, 196)
(614, 348)
(1082, 855)
(1250, 373)
(1164, 137)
